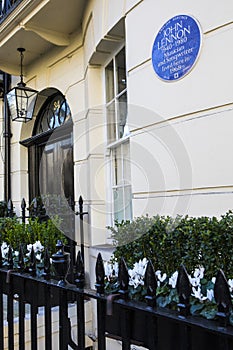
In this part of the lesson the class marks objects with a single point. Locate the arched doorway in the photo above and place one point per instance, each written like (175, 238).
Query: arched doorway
(50, 153)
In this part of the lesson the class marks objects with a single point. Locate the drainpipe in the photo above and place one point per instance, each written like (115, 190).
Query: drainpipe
(7, 136)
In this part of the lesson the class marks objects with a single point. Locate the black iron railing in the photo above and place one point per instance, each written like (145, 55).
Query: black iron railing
(37, 209)
(6, 7)
(127, 321)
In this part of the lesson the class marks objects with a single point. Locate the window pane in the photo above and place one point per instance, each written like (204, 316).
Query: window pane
(126, 162)
(122, 114)
(128, 202)
(117, 163)
(47, 120)
(120, 70)
(111, 122)
(109, 82)
(118, 204)
(64, 112)
(55, 113)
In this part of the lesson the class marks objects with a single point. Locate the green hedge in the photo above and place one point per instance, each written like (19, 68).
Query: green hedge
(14, 233)
(169, 242)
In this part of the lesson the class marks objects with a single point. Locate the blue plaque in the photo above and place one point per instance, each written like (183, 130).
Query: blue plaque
(176, 47)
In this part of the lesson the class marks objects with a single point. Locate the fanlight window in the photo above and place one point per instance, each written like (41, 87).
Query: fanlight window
(55, 114)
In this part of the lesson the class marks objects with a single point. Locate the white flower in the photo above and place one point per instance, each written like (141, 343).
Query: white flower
(115, 268)
(38, 256)
(213, 280)
(173, 279)
(4, 249)
(140, 267)
(111, 270)
(197, 276)
(199, 272)
(29, 248)
(4, 245)
(38, 247)
(136, 275)
(160, 277)
(230, 283)
(135, 281)
(194, 281)
(107, 269)
(210, 294)
(197, 293)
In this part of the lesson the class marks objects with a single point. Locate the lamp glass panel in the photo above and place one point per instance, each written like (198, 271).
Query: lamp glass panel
(21, 102)
(11, 99)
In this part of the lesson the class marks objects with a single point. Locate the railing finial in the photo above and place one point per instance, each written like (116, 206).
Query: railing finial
(32, 268)
(100, 274)
(184, 290)
(151, 285)
(47, 265)
(80, 274)
(10, 258)
(123, 278)
(223, 298)
(21, 264)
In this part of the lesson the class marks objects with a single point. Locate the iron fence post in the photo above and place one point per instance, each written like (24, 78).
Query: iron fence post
(81, 214)
(101, 303)
(23, 210)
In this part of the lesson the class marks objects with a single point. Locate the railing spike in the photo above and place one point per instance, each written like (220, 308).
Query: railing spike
(23, 204)
(10, 209)
(223, 298)
(123, 278)
(80, 273)
(100, 274)
(184, 290)
(21, 264)
(80, 201)
(151, 284)
(23, 207)
(47, 265)
(32, 268)
(10, 258)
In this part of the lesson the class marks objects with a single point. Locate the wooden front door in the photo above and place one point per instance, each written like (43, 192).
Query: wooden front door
(56, 169)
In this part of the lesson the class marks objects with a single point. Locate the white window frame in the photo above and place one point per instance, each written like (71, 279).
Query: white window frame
(117, 143)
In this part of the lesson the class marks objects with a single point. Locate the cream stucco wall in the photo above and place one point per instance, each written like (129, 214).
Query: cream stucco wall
(181, 131)
(180, 138)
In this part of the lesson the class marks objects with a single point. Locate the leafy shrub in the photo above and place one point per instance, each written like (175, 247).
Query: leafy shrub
(170, 242)
(14, 233)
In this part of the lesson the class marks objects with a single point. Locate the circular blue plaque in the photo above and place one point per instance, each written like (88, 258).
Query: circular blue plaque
(176, 47)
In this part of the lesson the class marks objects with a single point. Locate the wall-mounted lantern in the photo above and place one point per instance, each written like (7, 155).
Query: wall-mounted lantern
(21, 99)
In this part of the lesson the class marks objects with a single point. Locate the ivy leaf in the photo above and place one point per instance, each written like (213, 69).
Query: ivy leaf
(209, 311)
(162, 301)
(196, 308)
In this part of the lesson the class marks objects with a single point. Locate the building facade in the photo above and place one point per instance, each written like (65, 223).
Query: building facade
(106, 125)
